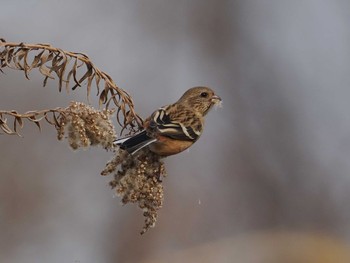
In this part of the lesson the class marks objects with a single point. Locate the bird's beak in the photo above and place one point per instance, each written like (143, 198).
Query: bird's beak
(216, 99)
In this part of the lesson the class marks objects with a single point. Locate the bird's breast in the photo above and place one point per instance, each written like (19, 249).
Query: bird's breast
(166, 146)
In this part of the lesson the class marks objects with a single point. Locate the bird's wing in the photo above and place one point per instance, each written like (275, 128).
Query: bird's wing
(134, 143)
(171, 123)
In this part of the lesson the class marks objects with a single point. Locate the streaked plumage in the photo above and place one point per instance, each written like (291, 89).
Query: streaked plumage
(172, 129)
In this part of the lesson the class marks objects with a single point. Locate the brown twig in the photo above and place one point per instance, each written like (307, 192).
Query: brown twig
(32, 116)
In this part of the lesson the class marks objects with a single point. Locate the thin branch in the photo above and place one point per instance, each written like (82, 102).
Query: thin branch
(51, 116)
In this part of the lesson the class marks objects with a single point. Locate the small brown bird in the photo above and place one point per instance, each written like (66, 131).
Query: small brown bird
(172, 129)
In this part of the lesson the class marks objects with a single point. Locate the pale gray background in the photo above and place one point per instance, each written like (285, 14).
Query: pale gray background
(276, 156)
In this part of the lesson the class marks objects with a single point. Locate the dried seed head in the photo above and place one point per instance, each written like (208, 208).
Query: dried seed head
(85, 126)
(138, 180)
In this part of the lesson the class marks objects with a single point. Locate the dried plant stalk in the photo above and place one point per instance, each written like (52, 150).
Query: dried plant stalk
(51, 116)
(51, 62)
(137, 178)
(82, 124)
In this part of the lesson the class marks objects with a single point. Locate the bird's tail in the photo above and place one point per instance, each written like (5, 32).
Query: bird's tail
(135, 143)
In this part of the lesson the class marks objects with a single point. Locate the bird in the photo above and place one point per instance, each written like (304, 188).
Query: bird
(173, 128)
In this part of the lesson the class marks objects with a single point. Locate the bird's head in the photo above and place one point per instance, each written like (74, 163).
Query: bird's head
(201, 99)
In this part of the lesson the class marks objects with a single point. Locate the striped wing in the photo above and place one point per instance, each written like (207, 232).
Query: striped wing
(162, 123)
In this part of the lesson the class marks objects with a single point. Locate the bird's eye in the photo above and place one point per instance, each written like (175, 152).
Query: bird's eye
(204, 94)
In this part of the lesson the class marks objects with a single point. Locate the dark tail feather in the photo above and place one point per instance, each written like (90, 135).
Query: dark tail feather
(135, 143)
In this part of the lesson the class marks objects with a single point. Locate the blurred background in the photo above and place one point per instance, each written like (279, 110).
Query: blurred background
(267, 182)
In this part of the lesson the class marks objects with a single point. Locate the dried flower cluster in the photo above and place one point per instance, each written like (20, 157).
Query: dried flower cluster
(85, 126)
(137, 179)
